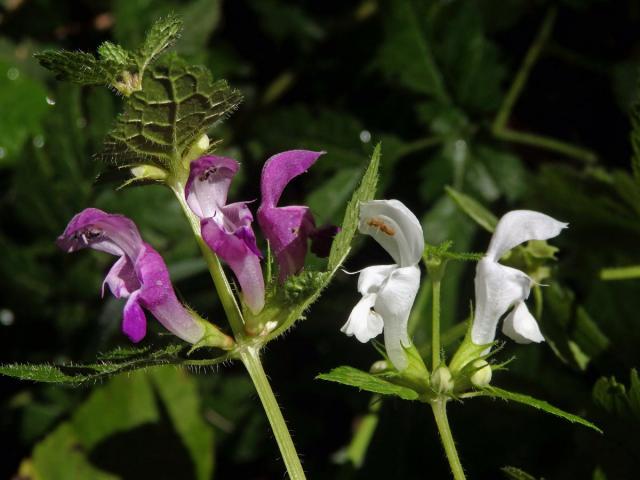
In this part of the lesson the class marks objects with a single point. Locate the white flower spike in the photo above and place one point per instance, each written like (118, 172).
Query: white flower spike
(388, 291)
(499, 288)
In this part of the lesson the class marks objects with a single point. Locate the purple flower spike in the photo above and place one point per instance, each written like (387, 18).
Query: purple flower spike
(226, 229)
(288, 228)
(140, 275)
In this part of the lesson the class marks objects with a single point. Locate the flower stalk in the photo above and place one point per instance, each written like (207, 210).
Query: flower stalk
(439, 408)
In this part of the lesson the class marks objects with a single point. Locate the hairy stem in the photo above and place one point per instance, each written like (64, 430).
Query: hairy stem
(435, 323)
(251, 359)
(439, 408)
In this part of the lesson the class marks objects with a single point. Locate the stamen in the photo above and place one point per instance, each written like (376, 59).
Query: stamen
(208, 174)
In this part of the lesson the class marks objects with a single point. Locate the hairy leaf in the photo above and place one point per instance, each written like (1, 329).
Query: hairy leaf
(118, 361)
(538, 404)
(162, 35)
(513, 473)
(366, 381)
(177, 104)
(79, 67)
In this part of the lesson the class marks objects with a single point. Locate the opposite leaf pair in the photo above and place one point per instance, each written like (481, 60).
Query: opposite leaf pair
(388, 291)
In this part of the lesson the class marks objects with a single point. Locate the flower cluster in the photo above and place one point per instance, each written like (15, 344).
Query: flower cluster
(141, 276)
(388, 291)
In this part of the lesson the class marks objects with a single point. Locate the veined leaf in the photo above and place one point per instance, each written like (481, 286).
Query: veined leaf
(474, 209)
(178, 103)
(114, 53)
(366, 381)
(538, 404)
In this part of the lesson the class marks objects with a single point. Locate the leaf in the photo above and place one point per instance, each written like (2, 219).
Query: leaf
(78, 67)
(406, 54)
(178, 103)
(118, 361)
(179, 393)
(616, 399)
(162, 35)
(538, 404)
(61, 455)
(513, 473)
(366, 191)
(365, 381)
(122, 404)
(474, 209)
(114, 53)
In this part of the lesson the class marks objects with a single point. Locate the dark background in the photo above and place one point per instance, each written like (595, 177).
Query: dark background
(338, 76)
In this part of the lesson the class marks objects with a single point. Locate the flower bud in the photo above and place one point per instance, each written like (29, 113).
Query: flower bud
(198, 149)
(379, 367)
(482, 375)
(441, 380)
(148, 172)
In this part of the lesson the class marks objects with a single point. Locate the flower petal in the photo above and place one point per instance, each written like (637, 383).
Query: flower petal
(372, 278)
(519, 226)
(208, 184)
(363, 322)
(521, 326)
(157, 296)
(280, 169)
(233, 249)
(122, 279)
(395, 228)
(134, 322)
(497, 288)
(114, 234)
(393, 303)
(287, 229)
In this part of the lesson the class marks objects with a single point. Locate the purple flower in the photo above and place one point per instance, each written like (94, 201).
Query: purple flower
(139, 275)
(288, 228)
(226, 228)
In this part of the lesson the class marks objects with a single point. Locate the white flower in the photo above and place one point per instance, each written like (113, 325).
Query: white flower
(499, 288)
(388, 291)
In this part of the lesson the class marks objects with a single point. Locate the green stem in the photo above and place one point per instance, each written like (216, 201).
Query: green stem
(251, 359)
(439, 408)
(435, 323)
(499, 127)
(227, 298)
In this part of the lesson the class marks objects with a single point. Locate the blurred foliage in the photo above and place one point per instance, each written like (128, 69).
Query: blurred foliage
(428, 79)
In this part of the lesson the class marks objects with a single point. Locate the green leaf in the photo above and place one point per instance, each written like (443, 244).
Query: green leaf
(178, 103)
(366, 191)
(60, 455)
(162, 35)
(615, 398)
(179, 393)
(118, 361)
(513, 473)
(365, 381)
(474, 209)
(407, 53)
(114, 53)
(538, 404)
(79, 67)
(124, 403)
